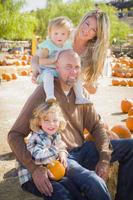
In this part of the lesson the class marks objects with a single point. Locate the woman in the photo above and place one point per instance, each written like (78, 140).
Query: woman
(90, 41)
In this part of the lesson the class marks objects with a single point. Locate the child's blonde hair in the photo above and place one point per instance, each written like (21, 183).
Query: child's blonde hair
(42, 111)
(60, 22)
(95, 54)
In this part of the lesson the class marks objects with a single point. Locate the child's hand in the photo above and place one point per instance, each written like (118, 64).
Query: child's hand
(63, 158)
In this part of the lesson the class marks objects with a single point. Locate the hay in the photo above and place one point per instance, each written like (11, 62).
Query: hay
(112, 181)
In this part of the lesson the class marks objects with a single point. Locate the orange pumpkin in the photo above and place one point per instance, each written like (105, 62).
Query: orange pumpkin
(14, 76)
(25, 57)
(130, 83)
(128, 75)
(3, 76)
(57, 169)
(23, 63)
(123, 60)
(126, 104)
(8, 77)
(123, 83)
(121, 130)
(116, 66)
(115, 82)
(129, 122)
(18, 63)
(113, 73)
(24, 73)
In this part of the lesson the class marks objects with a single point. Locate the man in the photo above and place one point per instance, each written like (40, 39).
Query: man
(92, 156)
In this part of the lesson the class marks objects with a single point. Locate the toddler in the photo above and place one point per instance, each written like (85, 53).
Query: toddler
(59, 30)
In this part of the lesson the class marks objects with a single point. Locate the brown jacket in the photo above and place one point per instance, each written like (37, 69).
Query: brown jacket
(77, 117)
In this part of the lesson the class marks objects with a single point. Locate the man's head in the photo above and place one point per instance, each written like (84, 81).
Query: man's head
(68, 67)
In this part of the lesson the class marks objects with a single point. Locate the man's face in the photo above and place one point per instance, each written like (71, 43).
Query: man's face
(69, 68)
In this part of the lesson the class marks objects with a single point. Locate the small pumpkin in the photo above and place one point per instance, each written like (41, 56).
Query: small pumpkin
(14, 76)
(128, 75)
(25, 57)
(8, 77)
(130, 83)
(123, 83)
(3, 76)
(57, 169)
(126, 104)
(115, 82)
(129, 122)
(24, 73)
(121, 130)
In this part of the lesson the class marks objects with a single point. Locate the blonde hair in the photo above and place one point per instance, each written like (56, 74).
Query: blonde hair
(60, 22)
(42, 111)
(94, 57)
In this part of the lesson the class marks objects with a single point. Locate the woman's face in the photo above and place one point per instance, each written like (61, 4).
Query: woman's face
(88, 29)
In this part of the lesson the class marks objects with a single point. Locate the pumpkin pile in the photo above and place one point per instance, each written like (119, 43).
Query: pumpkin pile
(123, 68)
(13, 65)
(17, 60)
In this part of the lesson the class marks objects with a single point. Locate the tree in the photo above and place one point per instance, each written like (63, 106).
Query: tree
(13, 24)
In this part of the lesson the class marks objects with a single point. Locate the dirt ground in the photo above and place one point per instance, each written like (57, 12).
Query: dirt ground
(13, 95)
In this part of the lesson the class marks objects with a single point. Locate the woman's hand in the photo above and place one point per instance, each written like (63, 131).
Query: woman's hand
(63, 158)
(41, 177)
(102, 169)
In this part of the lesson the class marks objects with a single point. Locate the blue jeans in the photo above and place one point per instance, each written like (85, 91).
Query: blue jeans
(88, 182)
(62, 190)
(87, 156)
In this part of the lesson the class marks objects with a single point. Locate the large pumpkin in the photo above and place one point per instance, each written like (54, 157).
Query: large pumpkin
(121, 130)
(129, 122)
(126, 104)
(57, 169)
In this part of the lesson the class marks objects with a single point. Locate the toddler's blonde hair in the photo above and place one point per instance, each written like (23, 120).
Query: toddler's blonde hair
(60, 22)
(42, 111)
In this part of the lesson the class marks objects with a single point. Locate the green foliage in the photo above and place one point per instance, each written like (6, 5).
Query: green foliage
(13, 24)
(17, 25)
(75, 10)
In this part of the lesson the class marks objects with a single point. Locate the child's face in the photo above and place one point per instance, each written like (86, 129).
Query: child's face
(59, 36)
(50, 124)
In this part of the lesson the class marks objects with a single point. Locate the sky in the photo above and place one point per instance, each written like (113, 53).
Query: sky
(34, 4)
